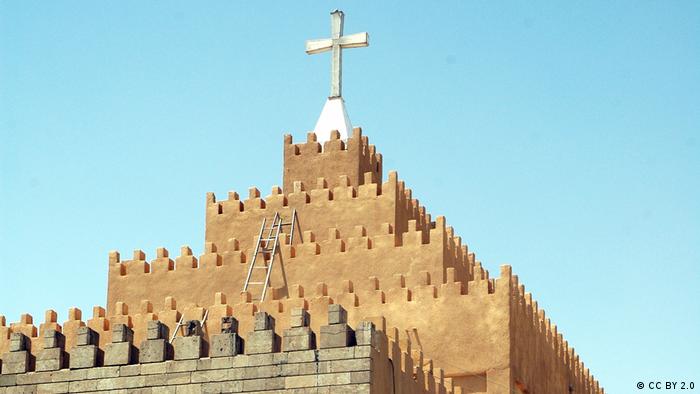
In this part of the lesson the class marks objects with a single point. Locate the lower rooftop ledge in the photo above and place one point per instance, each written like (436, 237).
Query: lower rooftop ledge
(343, 360)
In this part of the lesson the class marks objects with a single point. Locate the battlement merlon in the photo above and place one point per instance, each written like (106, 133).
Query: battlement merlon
(306, 162)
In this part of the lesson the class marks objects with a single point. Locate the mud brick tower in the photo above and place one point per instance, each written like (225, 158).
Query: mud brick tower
(337, 282)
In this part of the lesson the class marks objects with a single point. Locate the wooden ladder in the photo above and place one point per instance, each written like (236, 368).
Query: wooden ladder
(267, 246)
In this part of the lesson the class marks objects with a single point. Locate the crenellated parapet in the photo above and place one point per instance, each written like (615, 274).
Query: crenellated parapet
(428, 310)
(319, 206)
(264, 354)
(537, 342)
(306, 162)
(432, 248)
(360, 301)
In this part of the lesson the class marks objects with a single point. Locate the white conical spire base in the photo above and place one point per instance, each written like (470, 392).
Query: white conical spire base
(333, 117)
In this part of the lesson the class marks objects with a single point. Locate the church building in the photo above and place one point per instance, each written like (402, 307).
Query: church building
(337, 281)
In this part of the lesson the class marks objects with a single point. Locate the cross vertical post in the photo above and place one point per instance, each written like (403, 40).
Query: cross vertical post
(336, 43)
(337, 17)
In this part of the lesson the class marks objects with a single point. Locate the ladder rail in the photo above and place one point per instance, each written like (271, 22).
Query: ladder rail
(177, 327)
(204, 320)
(265, 249)
(272, 259)
(274, 220)
(294, 222)
(255, 256)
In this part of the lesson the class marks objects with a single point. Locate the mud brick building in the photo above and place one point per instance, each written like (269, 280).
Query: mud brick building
(337, 282)
(367, 293)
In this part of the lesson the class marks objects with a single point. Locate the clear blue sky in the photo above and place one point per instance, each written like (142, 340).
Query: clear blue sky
(561, 138)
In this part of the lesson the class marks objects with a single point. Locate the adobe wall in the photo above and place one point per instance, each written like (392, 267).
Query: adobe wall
(235, 223)
(537, 343)
(473, 316)
(498, 339)
(366, 362)
(355, 157)
(372, 248)
(192, 281)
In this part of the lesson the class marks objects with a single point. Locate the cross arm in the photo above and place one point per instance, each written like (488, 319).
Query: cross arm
(356, 40)
(318, 46)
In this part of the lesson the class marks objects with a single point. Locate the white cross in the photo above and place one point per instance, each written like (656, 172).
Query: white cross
(336, 44)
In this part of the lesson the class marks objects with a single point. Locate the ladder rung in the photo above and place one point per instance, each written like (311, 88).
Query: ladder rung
(256, 283)
(259, 268)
